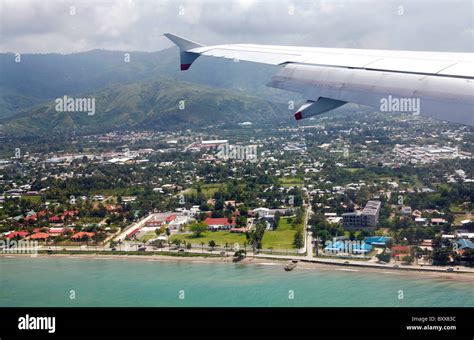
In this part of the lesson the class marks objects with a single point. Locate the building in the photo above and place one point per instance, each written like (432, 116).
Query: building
(367, 218)
(377, 241)
(219, 223)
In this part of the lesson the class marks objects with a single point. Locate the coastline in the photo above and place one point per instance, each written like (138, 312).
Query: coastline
(302, 265)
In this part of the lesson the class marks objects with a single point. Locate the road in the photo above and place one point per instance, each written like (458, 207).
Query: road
(132, 227)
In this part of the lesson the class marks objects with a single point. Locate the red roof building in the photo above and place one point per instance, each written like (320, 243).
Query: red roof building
(222, 222)
(170, 218)
(20, 234)
(82, 234)
(39, 236)
(396, 250)
(69, 213)
(30, 218)
(55, 219)
(43, 213)
(133, 232)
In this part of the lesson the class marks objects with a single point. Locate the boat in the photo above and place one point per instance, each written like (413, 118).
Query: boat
(291, 265)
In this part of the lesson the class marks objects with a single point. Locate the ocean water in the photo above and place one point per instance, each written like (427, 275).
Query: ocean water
(74, 282)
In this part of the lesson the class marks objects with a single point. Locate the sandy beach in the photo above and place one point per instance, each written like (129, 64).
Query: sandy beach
(403, 271)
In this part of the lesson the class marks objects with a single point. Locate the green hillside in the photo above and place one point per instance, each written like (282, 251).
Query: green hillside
(150, 104)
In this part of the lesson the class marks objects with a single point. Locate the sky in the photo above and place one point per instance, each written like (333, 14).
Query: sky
(45, 26)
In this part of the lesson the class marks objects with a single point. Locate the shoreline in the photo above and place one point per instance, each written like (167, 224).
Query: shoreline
(304, 265)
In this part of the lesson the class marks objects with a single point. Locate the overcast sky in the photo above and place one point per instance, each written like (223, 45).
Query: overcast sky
(42, 26)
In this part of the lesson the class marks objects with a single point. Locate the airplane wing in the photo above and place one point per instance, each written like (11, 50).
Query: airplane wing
(434, 84)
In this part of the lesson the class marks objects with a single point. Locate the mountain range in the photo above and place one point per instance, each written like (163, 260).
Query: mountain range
(144, 92)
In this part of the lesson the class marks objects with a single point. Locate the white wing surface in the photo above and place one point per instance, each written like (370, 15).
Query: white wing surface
(434, 84)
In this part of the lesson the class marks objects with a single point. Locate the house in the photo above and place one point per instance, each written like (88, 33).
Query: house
(263, 212)
(56, 219)
(219, 223)
(40, 236)
(438, 221)
(464, 245)
(426, 244)
(69, 213)
(17, 234)
(82, 235)
(400, 251)
(421, 221)
(406, 210)
(56, 231)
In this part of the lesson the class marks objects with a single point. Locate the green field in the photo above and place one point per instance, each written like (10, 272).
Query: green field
(207, 189)
(291, 181)
(148, 236)
(220, 237)
(33, 199)
(281, 238)
(352, 170)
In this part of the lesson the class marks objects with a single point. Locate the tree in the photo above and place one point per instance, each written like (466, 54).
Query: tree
(239, 255)
(385, 257)
(298, 241)
(256, 236)
(198, 229)
(177, 242)
(212, 244)
(440, 256)
(276, 219)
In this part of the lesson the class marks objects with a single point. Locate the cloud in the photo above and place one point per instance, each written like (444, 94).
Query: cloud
(50, 26)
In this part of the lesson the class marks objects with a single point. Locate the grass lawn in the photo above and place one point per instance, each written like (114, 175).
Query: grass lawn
(291, 181)
(148, 236)
(281, 238)
(32, 199)
(356, 233)
(220, 237)
(207, 189)
(130, 191)
(352, 170)
(461, 217)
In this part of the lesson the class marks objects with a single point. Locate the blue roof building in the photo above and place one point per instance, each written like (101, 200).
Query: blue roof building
(464, 244)
(377, 241)
(361, 248)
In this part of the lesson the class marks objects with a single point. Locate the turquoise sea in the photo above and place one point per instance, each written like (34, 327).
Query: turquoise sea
(96, 282)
